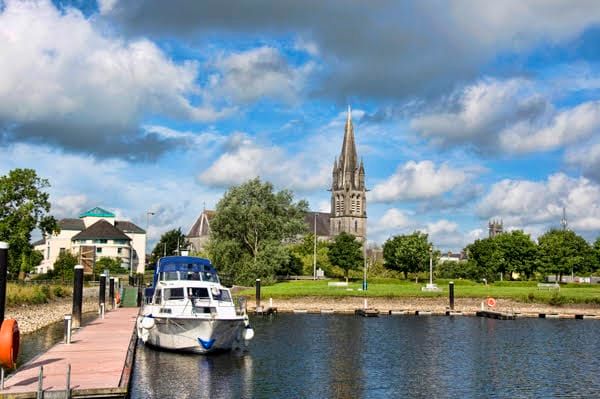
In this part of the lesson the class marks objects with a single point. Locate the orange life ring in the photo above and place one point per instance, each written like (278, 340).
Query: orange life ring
(491, 302)
(9, 343)
(118, 298)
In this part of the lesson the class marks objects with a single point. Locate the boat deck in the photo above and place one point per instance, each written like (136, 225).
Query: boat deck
(100, 355)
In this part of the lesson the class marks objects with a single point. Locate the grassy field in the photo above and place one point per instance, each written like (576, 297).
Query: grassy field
(519, 291)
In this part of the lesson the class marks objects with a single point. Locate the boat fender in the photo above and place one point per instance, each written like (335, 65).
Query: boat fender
(248, 333)
(9, 343)
(147, 323)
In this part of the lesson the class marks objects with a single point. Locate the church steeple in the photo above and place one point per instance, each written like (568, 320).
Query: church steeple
(348, 192)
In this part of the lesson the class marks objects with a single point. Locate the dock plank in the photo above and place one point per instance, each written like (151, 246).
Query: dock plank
(97, 355)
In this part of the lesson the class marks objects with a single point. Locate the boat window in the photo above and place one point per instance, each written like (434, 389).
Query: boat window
(197, 292)
(157, 297)
(208, 276)
(173, 293)
(222, 295)
(167, 276)
(192, 276)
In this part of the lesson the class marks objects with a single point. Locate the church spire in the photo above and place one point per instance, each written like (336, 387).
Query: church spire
(348, 156)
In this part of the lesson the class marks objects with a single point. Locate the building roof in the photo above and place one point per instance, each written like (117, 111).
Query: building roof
(323, 228)
(129, 227)
(71, 224)
(39, 242)
(201, 228)
(101, 230)
(98, 212)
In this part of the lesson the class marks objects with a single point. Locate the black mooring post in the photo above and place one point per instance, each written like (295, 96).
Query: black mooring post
(102, 293)
(77, 296)
(257, 293)
(139, 291)
(451, 294)
(111, 292)
(3, 276)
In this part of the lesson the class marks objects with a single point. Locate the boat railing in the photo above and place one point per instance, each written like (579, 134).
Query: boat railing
(241, 306)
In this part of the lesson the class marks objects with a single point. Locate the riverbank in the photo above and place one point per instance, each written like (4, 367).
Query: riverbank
(34, 317)
(435, 305)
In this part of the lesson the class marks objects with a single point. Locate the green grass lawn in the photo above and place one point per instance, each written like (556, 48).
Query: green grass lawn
(392, 288)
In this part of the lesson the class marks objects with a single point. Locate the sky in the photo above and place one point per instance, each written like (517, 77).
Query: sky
(463, 111)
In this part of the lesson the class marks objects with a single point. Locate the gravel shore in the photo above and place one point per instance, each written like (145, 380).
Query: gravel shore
(316, 304)
(34, 317)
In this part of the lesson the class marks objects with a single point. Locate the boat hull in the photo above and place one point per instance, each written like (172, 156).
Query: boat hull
(194, 335)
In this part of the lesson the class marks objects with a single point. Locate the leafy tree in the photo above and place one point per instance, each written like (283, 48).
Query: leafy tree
(518, 253)
(64, 267)
(113, 265)
(346, 253)
(249, 230)
(305, 251)
(168, 244)
(564, 252)
(407, 253)
(597, 253)
(24, 206)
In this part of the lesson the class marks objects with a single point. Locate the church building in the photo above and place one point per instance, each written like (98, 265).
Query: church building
(348, 191)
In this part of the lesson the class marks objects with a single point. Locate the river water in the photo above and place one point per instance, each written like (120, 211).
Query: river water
(339, 356)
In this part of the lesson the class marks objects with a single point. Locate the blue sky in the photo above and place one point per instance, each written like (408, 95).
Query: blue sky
(464, 111)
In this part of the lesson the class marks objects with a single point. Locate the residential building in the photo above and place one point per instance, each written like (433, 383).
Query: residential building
(94, 235)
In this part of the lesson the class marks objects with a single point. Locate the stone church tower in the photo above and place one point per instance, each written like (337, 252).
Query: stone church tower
(348, 192)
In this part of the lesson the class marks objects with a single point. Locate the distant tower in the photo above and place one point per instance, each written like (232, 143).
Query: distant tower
(563, 220)
(348, 192)
(495, 227)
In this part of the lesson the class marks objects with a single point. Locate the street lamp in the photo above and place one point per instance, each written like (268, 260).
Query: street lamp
(315, 250)
(431, 265)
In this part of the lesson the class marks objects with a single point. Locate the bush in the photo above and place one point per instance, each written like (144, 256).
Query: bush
(557, 300)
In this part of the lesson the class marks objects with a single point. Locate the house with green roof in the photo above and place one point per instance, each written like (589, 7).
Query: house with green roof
(95, 234)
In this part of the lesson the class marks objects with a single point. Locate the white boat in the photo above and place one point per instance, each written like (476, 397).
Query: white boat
(187, 309)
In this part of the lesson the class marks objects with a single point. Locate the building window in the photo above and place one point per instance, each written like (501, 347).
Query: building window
(119, 250)
(100, 241)
(339, 226)
(122, 242)
(61, 251)
(98, 250)
(355, 226)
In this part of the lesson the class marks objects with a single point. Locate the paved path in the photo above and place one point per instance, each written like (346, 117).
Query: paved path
(97, 355)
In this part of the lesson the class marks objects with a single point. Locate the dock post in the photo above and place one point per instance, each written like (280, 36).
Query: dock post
(77, 296)
(451, 294)
(68, 387)
(3, 276)
(257, 294)
(68, 326)
(111, 292)
(102, 293)
(40, 390)
(139, 292)
(1, 378)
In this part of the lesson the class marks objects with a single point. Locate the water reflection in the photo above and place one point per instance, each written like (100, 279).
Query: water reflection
(331, 356)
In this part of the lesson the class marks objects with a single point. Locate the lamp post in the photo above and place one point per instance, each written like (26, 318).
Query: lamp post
(431, 265)
(148, 214)
(315, 250)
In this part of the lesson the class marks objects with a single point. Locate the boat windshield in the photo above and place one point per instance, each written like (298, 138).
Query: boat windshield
(189, 275)
(222, 295)
(198, 292)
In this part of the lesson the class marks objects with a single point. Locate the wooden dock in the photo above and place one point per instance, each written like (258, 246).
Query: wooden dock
(366, 312)
(496, 315)
(100, 356)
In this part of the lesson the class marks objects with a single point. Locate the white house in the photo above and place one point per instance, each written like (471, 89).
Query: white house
(95, 234)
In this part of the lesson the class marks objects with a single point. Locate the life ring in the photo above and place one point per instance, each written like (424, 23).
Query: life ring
(9, 343)
(118, 298)
(491, 302)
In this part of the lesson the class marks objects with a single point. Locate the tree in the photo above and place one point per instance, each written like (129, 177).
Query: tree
(597, 253)
(486, 258)
(167, 245)
(346, 253)
(518, 253)
(407, 253)
(305, 251)
(64, 267)
(113, 265)
(249, 229)
(24, 206)
(564, 252)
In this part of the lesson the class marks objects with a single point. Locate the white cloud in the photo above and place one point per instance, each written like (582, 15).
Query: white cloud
(260, 72)
(418, 180)
(566, 127)
(523, 203)
(61, 75)
(244, 159)
(586, 158)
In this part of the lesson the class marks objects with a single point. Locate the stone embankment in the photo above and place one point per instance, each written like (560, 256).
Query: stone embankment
(34, 317)
(436, 305)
